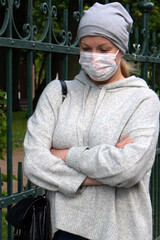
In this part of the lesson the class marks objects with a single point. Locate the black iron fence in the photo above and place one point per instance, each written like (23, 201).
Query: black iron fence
(37, 34)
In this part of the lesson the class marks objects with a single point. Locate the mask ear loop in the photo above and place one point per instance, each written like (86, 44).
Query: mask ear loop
(119, 59)
(117, 52)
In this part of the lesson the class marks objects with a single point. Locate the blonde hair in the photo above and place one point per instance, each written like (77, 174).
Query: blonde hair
(126, 68)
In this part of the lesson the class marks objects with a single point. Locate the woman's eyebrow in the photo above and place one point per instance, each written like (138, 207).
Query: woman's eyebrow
(104, 45)
(84, 44)
(100, 45)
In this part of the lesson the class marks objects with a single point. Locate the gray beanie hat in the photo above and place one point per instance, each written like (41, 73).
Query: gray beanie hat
(110, 20)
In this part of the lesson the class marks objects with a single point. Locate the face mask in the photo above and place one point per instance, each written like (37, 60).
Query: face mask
(99, 66)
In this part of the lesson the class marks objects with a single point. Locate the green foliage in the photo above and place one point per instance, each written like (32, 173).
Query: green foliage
(3, 124)
(39, 17)
(155, 19)
(3, 193)
(4, 177)
(4, 224)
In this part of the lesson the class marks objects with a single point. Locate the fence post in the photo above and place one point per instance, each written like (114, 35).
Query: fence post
(145, 6)
(49, 39)
(9, 110)
(30, 61)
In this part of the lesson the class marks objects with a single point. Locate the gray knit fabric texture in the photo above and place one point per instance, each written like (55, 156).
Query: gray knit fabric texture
(111, 21)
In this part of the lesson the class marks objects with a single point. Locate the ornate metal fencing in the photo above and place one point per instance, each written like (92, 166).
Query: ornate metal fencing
(142, 51)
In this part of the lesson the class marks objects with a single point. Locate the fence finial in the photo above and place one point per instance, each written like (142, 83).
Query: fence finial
(145, 5)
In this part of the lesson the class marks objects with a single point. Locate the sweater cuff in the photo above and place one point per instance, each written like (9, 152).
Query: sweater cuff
(76, 188)
(73, 157)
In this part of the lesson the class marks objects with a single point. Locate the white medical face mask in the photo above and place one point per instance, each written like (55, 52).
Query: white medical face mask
(99, 66)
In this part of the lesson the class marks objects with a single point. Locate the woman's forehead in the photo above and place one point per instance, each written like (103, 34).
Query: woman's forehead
(96, 41)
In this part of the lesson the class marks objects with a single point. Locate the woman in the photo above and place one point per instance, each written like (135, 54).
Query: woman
(94, 152)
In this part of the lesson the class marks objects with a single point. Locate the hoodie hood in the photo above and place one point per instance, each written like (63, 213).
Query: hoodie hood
(131, 81)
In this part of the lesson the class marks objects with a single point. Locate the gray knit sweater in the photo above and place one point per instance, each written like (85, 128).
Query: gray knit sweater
(90, 122)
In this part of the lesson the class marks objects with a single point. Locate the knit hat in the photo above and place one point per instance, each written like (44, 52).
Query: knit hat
(110, 20)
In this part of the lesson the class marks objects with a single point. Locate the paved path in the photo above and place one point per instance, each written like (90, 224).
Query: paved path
(18, 156)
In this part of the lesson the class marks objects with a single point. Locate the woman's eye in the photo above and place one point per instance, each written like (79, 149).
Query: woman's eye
(85, 49)
(104, 50)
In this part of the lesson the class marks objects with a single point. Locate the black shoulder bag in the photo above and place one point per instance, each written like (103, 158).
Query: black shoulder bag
(31, 215)
(31, 218)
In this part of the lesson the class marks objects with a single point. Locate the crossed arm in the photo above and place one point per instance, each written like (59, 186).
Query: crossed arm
(90, 181)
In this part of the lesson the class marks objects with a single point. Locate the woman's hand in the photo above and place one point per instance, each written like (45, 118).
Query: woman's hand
(123, 142)
(60, 153)
(91, 182)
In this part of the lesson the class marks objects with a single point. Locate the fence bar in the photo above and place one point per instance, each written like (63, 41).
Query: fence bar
(80, 4)
(20, 177)
(39, 46)
(30, 82)
(9, 114)
(49, 38)
(155, 198)
(65, 58)
(145, 7)
(9, 200)
(0, 208)
(9, 60)
(158, 197)
(30, 62)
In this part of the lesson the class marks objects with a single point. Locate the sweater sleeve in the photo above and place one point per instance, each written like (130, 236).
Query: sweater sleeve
(40, 166)
(123, 167)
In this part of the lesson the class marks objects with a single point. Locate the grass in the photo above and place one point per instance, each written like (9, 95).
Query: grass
(19, 126)
(4, 224)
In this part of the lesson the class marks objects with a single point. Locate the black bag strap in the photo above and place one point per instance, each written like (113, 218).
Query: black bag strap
(64, 89)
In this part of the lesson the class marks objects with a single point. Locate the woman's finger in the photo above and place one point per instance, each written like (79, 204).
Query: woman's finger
(121, 145)
(124, 138)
